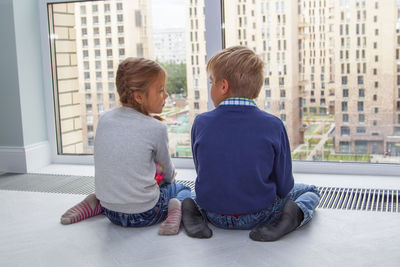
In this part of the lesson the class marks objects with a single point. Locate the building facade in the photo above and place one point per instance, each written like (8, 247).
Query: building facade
(169, 45)
(107, 33)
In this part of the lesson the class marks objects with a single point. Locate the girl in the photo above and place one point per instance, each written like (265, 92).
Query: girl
(128, 144)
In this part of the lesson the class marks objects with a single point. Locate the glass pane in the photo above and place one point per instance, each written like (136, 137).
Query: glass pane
(89, 39)
(332, 73)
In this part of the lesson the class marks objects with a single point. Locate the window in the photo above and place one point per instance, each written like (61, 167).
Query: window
(344, 147)
(120, 29)
(361, 118)
(99, 86)
(84, 43)
(109, 42)
(139, 49)
(361, 147)
(111, 86)
(360, 80)
(345, 118)
(360, 106)
(101, 40)
(111, 75)
(351, 93)
(138, 18)
(100, 108)
(344, 80)
(110, 64)
(111, 97)
(107, 8)
(107, 19)
(98, 76)
(109, 53)
(344, 131)
(344, 106)
(361, 130)
(89, 108)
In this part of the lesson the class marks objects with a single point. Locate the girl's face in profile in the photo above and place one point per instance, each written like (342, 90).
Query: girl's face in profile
(155, 98)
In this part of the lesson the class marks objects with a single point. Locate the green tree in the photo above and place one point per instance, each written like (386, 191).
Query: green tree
(176, 82)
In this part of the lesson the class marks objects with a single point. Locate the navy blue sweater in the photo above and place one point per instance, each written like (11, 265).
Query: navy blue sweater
(242, 159)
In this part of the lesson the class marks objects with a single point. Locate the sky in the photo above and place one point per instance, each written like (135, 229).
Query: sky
(168, 14)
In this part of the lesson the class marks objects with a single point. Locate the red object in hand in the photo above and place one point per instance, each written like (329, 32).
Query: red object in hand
(159, 177)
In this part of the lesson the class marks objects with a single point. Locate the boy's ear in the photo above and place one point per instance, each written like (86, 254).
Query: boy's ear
(225, 87)
(138, 97)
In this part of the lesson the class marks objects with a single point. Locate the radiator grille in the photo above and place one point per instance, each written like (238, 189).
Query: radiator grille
(359, 199)
(380, 200)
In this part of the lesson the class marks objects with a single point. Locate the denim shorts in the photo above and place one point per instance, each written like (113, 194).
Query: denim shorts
(306, 197)
(153, 216)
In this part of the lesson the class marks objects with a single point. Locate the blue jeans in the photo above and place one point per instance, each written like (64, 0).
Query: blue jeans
(154, 215)
(306, 197)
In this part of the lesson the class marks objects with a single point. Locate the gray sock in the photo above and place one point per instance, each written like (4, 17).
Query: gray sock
(290, 219)
(194, 223)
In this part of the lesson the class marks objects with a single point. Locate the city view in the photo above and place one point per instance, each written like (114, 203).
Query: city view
(332, 69)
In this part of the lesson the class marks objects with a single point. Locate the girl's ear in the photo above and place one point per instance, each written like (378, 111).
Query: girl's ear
(138, 97)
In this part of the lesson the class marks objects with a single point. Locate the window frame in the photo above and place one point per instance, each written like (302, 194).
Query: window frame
(215, 25)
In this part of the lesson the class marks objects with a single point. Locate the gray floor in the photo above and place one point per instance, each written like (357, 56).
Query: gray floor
(31, 235)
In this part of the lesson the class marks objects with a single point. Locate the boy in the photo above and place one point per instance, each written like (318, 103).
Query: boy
(242, 159)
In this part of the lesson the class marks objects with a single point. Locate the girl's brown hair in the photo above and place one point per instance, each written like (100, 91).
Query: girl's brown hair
(136, 74)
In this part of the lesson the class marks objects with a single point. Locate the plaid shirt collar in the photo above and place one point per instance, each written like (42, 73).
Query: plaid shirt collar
(238, 101)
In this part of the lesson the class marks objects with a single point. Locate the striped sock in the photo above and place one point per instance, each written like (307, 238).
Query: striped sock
(171, 225)
(88, 207)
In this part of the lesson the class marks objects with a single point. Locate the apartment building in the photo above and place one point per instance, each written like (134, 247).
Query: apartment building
(169, 45)
(321, 57)
(106, 33)
(367, 85)
(197, 93)
(271, 31)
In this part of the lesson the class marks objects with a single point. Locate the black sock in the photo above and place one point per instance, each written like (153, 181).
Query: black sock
(290, 219)
(193, 222)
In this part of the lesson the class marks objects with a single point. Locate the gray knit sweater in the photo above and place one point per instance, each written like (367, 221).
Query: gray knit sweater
(127, 145)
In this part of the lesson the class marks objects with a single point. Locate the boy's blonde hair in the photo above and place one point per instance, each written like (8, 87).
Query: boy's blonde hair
(241, 67)
(136, 74)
